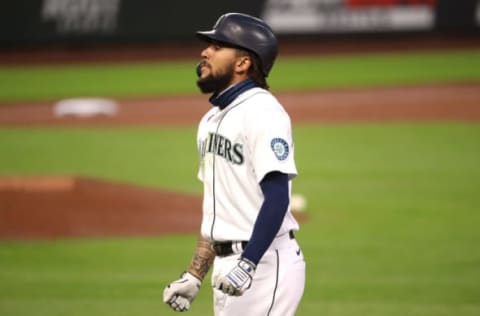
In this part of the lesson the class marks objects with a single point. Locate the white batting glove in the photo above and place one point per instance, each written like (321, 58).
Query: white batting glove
(180, 294)
(238, 280)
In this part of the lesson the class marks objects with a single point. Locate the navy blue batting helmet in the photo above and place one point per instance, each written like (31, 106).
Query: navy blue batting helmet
(247, 32)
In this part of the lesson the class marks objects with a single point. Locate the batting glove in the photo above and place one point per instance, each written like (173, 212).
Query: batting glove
(238, 280)
(180, 294)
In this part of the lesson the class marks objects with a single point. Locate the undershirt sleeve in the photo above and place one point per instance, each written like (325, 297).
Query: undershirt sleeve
(272, 212)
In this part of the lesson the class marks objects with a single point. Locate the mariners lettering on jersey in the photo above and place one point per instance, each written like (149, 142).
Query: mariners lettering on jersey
(223, 147)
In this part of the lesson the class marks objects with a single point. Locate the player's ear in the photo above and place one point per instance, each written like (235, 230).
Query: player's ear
(243, 63)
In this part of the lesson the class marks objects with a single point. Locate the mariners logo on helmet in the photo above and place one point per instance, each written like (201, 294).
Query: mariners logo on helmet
(280, 148)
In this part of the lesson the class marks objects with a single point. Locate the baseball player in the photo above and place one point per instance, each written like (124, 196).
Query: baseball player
(246, 165)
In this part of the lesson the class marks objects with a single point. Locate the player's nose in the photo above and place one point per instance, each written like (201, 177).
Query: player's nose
(205, 52)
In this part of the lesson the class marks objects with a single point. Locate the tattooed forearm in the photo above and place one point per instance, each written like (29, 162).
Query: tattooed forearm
(203, 259)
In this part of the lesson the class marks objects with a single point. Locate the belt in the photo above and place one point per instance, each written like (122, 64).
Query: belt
(227, 248)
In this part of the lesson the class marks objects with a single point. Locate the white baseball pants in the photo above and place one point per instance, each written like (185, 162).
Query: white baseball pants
(277, 285)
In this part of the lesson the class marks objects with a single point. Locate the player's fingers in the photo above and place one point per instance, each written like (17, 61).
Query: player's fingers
(168, 294)
(225, 286)
(222, 284)
(230, 290)
(182, 304)
(217, 283)
(235, 292)
(179, 303)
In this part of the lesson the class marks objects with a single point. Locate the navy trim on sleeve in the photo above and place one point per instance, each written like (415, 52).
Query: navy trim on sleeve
(276, 200)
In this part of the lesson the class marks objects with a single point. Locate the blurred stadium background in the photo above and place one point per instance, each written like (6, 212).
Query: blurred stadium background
(99, 206)
(83, 24)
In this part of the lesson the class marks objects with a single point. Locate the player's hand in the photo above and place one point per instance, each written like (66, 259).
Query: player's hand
(238, 280)
(180, 294)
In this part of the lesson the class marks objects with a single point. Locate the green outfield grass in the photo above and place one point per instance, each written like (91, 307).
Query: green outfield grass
(392, 229)
(144, 156)
(290, 73)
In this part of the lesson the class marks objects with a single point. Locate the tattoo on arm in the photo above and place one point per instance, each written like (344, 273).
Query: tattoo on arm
(203, 258)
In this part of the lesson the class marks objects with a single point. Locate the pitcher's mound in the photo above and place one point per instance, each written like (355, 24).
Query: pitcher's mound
(51, 207)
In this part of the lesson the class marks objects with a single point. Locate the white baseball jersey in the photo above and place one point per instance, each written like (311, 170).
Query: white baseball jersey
(238, 146)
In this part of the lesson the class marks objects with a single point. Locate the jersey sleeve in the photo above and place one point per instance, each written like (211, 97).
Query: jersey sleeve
(270, 139)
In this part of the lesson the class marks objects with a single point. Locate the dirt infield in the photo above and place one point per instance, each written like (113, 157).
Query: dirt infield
(58, 207)
(52, 207)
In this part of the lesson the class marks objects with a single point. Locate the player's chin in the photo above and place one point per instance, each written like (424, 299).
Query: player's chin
(206, 84)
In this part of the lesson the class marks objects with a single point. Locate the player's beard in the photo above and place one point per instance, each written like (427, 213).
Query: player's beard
(216, 83)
